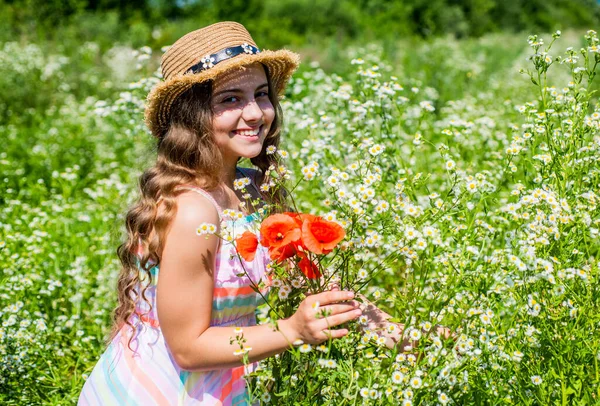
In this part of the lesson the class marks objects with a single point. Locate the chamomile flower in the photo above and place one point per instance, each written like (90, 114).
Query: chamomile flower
(206, 229)
(485, 319)
(374, 394)
(242, 351)
(410, 233)
(420, 244)
(536, 380)
(415, 334)
(284, 292)
(333, 181)
(397, 377)
(382, 207)
(376, 149)
(311, 170)
(305, 348)
(443, 398)
(241, 183)
(327, 363)
(416, 382)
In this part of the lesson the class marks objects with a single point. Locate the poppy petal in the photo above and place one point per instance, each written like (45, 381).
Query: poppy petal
(278, 230)
(321, 236)
(282, 253)
(246, 245)
(309, 268)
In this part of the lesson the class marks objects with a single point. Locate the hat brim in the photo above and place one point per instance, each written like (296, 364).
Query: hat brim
(281, 64)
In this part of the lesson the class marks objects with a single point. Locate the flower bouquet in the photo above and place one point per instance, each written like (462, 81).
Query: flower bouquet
(295, 239)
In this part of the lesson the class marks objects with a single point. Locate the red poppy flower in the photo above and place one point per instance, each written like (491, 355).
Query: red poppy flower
(279, 230)
(321, 236)
(300, 217)
(246, 245)
(308, 267)
(282, 253)
(295, 216)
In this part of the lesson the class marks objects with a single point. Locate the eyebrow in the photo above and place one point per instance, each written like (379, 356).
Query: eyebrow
(237, 90)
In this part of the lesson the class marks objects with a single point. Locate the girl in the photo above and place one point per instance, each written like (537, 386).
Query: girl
(184, 297)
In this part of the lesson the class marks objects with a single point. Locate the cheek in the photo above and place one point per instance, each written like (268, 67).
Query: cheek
(223, 121)
(268, 111)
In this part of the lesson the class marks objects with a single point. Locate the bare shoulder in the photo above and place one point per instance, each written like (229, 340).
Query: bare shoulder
(193, 210)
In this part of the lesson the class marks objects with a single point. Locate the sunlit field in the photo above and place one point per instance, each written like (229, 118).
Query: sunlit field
(465, 174)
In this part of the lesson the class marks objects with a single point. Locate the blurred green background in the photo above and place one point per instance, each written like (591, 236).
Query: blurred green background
(285, 22)
(87, 42)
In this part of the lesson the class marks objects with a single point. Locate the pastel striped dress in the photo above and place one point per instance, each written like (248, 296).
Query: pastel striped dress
(148, 375)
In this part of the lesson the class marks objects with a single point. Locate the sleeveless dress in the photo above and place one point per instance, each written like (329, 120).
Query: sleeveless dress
(149, 375)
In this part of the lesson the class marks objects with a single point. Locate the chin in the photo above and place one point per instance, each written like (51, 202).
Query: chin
(250, 155)
(249, 151)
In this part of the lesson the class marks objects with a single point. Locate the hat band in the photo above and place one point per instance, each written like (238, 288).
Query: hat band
(211, 60)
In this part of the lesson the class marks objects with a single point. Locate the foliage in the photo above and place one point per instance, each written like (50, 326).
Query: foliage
(483, 219)
(294, 22)
(491, 217)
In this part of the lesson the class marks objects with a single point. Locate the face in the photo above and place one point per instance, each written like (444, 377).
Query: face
(242, 112)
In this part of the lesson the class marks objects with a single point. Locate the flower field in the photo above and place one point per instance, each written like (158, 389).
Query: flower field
(465, 175)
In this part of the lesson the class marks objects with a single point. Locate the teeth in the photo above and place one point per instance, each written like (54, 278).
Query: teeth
(248, 133)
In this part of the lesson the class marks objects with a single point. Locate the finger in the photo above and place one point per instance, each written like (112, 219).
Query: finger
(334, 296)
(334, 286)
(333, 334)
(337, 319)
(338, 308)
(445, 333)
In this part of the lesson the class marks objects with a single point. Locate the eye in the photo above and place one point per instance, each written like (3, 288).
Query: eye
(262, 93)
(230, 99)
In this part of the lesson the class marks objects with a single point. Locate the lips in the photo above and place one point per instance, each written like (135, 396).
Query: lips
(251, 135)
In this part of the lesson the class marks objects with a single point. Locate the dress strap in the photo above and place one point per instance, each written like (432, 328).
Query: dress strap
(206, 195)
(249, 176)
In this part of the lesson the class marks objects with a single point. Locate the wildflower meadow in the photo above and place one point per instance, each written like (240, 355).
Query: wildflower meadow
(464, 175)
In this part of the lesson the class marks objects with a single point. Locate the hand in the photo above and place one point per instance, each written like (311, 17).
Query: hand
(377, 320)
(318, 313)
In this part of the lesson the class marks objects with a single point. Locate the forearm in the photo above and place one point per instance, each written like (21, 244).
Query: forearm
(213, 349)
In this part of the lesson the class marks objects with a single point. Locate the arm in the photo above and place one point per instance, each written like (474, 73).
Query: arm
(185, 294)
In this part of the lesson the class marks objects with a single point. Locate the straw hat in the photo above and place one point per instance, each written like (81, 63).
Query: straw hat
(203, 55)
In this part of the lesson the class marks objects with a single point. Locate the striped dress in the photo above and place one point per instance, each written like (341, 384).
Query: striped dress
(148, 375)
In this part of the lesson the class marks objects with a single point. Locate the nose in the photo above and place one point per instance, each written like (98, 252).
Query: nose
(252, 112)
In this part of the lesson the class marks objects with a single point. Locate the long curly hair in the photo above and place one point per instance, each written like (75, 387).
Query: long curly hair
(186, 155)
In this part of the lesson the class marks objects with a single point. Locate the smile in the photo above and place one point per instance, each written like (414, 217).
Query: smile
(252, 134)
